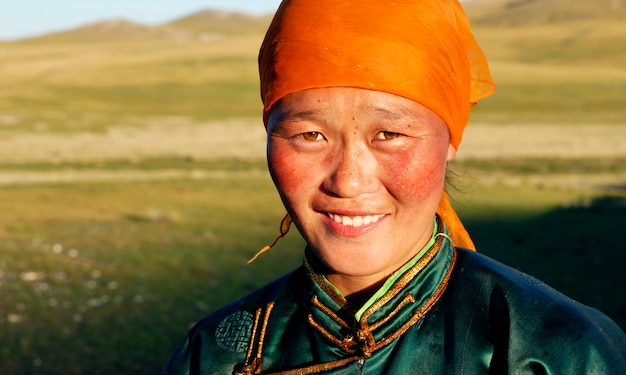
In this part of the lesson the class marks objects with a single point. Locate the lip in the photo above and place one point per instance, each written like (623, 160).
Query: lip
(352, 225)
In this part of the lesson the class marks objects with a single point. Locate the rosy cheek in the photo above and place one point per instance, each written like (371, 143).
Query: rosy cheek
(414, 173)
(287, 169)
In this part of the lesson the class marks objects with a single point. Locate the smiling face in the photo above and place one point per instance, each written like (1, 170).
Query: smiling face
(361, 173)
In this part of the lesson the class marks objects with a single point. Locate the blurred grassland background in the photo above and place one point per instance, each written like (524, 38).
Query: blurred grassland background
(133, 185)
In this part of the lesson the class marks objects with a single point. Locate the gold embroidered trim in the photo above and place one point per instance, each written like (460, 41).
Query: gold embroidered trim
(254, 366)
(406, 278)
(319, 280)
(408, 298)
(266, 319)
(326, 310)
(257, 316)
(346, 345)
(419, 314)
(366, 340)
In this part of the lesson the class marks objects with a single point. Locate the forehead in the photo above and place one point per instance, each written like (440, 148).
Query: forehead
(348, 101)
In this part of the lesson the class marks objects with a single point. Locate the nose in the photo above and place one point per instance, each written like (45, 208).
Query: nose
(353, 172)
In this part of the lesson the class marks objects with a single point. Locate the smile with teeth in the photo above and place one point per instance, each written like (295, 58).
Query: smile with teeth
(354, 221)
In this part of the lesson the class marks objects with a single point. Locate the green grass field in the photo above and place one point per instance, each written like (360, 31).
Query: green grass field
(133, 187)
(106, 277)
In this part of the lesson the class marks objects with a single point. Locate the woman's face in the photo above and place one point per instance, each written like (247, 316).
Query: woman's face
(361, 173)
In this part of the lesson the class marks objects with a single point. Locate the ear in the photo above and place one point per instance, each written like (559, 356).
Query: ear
(451, 152)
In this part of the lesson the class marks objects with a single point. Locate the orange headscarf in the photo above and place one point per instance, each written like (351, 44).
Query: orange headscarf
(422, 50)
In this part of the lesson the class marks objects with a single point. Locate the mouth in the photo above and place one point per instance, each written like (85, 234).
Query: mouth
(354, 221)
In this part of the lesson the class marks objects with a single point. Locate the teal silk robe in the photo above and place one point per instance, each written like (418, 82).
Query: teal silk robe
(454, 312)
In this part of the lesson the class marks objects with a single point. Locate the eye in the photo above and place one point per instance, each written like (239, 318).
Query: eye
(312, 136)
(386, 136)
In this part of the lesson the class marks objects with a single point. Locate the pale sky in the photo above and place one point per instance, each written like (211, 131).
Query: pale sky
(26, 18)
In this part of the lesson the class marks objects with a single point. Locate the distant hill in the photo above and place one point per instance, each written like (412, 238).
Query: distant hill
(204, 25)
(533, 12)
(110, 30)
(214, 21)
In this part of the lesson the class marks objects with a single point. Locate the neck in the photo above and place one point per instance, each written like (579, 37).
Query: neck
(356, 289)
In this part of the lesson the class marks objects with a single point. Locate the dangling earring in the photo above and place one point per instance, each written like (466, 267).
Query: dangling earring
(284, 228)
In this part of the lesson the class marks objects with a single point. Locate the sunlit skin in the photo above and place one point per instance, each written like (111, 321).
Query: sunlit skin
(361, 173)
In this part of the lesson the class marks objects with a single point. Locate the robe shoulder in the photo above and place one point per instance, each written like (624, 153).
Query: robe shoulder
(225, 333)
(526, 320)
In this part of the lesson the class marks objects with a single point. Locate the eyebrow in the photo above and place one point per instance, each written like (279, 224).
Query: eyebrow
(395, 114)
(297, 116)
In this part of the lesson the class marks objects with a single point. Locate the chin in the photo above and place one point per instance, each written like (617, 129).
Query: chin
(356, 264)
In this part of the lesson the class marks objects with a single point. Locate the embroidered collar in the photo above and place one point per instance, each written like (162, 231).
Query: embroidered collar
(403, 305)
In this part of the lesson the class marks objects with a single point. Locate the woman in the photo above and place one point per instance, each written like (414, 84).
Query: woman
(365, 103)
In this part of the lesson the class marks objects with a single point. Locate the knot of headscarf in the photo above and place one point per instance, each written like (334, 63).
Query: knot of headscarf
(421, 50)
